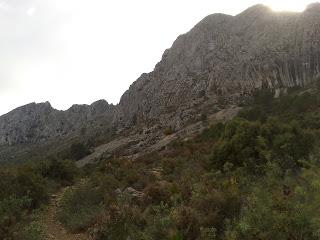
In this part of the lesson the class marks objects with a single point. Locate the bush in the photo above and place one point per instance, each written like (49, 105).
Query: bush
(160, 223)
(168, 131)
(281, 208)
(21, 191)
(33, 231)
(253, 144)
(78, 151)
(11, 212)
(186, 220)
(122, 221)
(158, 192)
(32, 186)
(80, 207)
(61, 171)
(214, 132)
(208, 234)
(240, 144)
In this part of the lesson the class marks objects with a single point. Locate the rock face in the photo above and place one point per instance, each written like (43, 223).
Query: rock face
(34, 123)
(224, 58)
(220, 62)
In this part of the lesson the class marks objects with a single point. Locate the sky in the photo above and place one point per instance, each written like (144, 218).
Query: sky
(79, 51)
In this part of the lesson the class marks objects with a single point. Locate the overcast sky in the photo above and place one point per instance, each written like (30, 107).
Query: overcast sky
(79, 51)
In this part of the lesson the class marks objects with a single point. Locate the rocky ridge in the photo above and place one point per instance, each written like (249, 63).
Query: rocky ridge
(223, 59)
(34, 123)
(215, 66)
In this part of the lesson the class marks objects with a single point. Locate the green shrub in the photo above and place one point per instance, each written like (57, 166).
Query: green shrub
(78, 151)
(21, 191)
(33, 231)
(158, 192)
(160, 223)
(31, 185)
(253, 144)
(240, 144)
(214, 132)
(11, 212)
(187, 221)
(208, 234)
(61, 171)
(281, 209)
(80, 207)
(122, 221)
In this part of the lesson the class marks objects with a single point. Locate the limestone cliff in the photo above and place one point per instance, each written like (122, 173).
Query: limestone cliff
(226, 58)
(34, 123)
(220, 62)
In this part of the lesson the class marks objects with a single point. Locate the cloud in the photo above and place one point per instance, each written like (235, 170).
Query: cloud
(27, 34)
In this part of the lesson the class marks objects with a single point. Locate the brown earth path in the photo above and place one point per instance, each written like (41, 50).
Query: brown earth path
(54, 229)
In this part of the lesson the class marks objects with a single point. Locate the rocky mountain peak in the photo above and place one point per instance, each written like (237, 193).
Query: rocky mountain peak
(258, 10)
(313, 7)
(217, 64)
(39, 122)
(30, 109)
(223, 59)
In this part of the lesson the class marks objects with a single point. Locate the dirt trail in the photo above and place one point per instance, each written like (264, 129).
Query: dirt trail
(54, 229)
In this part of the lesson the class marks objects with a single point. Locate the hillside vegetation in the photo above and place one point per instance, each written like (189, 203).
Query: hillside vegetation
(254, 177)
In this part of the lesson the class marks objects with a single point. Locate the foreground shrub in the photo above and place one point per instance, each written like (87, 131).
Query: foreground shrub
(60, 171)
(282, 208)
(121, 221)
(32, 186)
(80, 207)
(158, 192)
(187, 221)
(78, 151)
(11, 212)
(33, 231)
(253, 144)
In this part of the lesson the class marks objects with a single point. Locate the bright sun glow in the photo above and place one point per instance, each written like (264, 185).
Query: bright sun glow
(293, 5)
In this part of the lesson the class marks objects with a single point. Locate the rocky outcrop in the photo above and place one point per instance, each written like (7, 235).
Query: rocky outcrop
(223, 59)
(150, 140)
(215, 66)
(35, 123)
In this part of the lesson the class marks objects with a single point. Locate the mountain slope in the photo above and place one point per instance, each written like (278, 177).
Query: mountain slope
(226, 57)
(218, 64)
(40, 122)
(247, 172)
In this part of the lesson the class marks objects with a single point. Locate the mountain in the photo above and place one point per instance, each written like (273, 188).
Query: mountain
(223, 59)
(220, 141)
(216, 65)
(34, 123)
